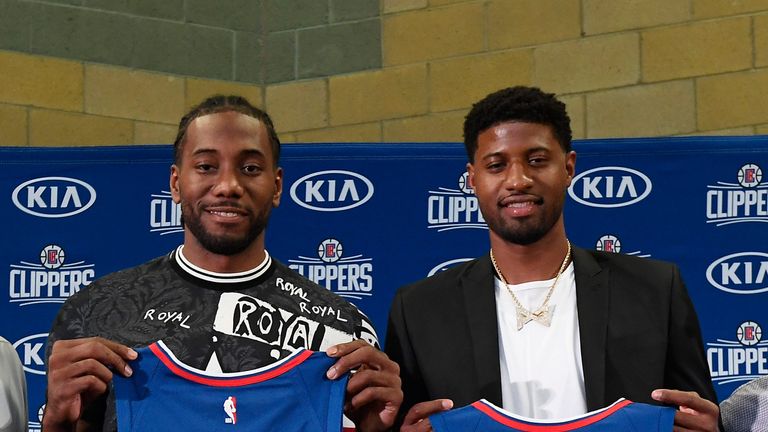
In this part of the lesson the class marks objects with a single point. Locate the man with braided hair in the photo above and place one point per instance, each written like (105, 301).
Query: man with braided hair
(219, 301)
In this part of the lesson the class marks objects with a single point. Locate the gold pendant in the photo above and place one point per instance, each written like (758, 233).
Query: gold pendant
(542, 315)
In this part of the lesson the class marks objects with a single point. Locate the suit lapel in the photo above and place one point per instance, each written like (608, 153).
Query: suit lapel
(592, 301)
(478, 290)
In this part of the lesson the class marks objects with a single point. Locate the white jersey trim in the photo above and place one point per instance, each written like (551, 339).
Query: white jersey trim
(226, 278)
(573, 418)
(210, 374)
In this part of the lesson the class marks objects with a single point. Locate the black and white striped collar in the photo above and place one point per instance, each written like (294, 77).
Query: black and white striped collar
(226, 278)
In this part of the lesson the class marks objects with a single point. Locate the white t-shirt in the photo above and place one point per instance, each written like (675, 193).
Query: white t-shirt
(541, 368)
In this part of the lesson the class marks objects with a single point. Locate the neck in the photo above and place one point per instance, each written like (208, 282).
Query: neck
(249, 258)
(540, 260)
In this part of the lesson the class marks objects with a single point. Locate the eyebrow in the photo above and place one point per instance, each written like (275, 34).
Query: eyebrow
(492, 155)
(528, 151)
(246, 152)
(203, 151)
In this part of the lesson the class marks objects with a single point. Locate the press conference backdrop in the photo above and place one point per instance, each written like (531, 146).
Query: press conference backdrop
(362, 220)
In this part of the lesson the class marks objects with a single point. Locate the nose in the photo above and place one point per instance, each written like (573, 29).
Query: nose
(517, 177)
(228, 183)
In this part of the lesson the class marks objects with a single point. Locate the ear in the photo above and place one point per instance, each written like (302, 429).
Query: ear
(471, 175)
(174, 184)
(278, 187)
(570, 165)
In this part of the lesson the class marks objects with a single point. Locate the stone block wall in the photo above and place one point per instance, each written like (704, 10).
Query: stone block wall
(106, 72)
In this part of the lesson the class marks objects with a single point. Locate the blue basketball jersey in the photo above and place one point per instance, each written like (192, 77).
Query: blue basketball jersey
(622, 415)
(292, 394)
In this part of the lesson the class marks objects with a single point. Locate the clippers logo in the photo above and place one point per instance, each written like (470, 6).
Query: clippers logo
(749, 333)
(749, 175)
(230, 408)
(164, 214)
(349, 277)
(54, 197)
(52, 257)
(450, 209)
(745, 201)
(744, 359)
(443, 266)
(329, 250)
(611, 243)
(740, 273)
(610, 186)
(31, 350)
(332, 190)
(608, 243)
(51, 281)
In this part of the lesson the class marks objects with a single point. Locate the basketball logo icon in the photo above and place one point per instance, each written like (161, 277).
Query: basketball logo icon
(52, 256)
(329, 250)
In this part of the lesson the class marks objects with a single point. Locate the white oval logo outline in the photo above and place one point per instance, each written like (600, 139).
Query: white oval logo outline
(448, 263)
(21, 341)
(360, 177)
(646, 179)
(714, 264)
(18, 205)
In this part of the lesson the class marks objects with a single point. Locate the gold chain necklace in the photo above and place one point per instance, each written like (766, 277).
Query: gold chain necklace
(543, 314)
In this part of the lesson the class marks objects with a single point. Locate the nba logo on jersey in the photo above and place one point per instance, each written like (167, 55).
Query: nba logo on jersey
(230, 407)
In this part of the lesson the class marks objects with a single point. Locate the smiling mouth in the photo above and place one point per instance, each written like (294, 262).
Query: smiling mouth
(226, 211)
(520, 202)
(227, 214)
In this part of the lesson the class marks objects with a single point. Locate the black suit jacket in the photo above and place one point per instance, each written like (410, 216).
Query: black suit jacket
(638, 330)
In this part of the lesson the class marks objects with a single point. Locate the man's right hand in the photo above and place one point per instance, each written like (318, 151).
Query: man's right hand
(79, 371)
(417, 419)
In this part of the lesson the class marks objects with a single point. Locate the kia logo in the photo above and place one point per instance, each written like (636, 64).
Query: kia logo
(610, 186)
(54, 197)
(331, 190)
(740, 273)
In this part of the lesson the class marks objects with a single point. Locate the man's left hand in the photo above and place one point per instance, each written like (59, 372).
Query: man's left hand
(373, 392)
(694, 414)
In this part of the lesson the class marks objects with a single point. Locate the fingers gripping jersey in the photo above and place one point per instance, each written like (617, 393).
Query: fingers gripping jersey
(211, 321)
(623, 415)
(293, 394)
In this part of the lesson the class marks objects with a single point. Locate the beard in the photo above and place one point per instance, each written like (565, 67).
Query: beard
(227, 244)
(525, 231)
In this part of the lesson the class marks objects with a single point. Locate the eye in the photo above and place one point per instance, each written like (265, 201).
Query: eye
(252, 169)
(537, 160)
(203, 167)
(494, 166)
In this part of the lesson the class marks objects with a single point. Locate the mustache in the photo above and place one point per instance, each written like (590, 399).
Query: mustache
(229, 204)
(521, 197)
(225, 203)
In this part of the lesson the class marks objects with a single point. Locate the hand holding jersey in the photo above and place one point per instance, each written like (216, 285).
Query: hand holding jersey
(695, 413)
(227, 180)
(79, 372)
(373, 391)
(508, 328)
(417, 418)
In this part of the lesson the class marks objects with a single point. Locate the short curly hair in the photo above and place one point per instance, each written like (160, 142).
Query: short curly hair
(517, 104)
(221, 103)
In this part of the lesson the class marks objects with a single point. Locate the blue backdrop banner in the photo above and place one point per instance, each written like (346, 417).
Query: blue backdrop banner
(364, 219)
